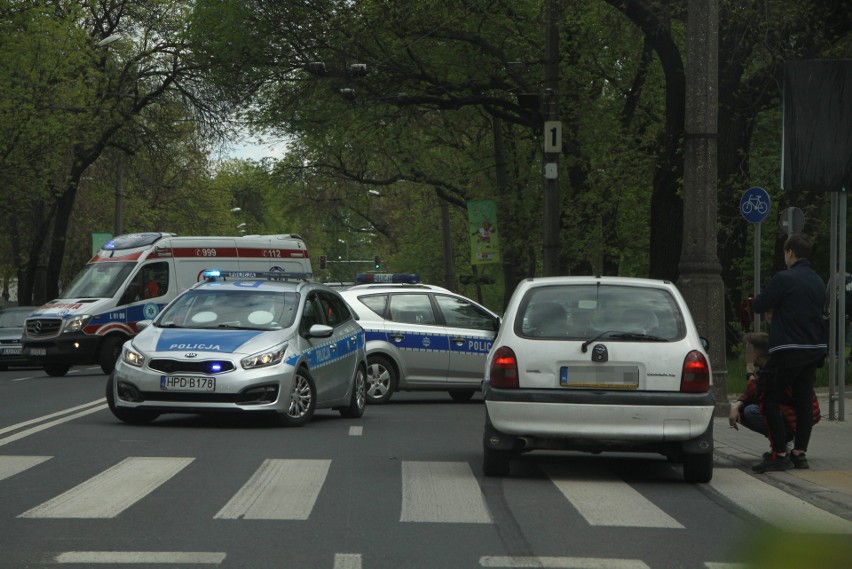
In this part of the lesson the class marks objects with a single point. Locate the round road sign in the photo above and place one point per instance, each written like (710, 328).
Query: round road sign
(754, 205)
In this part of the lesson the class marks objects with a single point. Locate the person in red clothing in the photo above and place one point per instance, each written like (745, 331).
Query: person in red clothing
(745, 410)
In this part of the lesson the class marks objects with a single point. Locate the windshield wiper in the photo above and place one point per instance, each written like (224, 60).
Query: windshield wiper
(638, 336)
(622, 336)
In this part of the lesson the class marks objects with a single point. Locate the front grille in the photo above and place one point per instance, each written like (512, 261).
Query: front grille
(180, 366)
(43, 327)
(190, 397)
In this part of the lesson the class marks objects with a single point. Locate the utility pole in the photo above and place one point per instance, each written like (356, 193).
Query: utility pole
(552, 145)
(700, 279)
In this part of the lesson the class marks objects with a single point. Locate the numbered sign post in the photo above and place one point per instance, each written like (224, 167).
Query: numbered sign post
(754, 206)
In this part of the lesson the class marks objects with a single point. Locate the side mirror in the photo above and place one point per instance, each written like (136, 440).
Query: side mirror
(706, 343)
(320, 331)
(142, 324)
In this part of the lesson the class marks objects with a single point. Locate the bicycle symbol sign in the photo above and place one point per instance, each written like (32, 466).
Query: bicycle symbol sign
(754, 205)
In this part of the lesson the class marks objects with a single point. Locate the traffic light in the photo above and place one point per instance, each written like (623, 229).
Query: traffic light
(323, 262)
(377, 262)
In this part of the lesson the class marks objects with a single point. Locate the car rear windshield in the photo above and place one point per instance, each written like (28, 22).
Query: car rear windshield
(584, 312)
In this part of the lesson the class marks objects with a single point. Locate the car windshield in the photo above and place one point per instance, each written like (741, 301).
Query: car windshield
(220, 308)
(98, 280)
(588, 312)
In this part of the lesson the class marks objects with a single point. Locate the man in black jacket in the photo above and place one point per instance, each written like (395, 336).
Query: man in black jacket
(794, 301)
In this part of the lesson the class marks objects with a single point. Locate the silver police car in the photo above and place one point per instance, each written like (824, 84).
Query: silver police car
(422, 337)
(244, 342)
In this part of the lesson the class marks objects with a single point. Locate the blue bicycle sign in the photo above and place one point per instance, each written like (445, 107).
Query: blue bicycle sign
(754, 205)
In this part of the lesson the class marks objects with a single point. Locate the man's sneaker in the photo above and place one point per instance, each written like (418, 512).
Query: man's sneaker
(773, 465)
(800, 461)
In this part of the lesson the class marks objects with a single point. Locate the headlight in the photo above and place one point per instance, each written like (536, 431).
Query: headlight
(264, 359)
(132, 357)
(76, 323)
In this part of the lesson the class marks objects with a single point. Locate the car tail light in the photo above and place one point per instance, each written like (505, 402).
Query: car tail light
(504, 369)
(695, 377)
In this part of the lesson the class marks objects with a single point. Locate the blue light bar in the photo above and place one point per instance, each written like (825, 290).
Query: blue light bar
(215, 275)
(395, 278)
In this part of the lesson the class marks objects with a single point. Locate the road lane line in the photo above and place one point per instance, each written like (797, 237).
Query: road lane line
(112, 491)
(605, 500)
(281, 489)
(126, 557)
(774, 506)
(11, 465)
(561, 562)
(347, 561)
(442, 492)
(356, 431)
(23, 424)
(28, 432)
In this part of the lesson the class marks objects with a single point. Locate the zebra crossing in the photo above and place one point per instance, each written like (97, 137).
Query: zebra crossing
(432, 492)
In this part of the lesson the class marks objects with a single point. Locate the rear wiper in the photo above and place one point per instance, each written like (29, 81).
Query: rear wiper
(622, 336)
(639, 336)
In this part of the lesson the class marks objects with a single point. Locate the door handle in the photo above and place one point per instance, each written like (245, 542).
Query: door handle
(397, 337)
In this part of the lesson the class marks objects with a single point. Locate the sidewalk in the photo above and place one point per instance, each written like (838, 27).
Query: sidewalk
(828, 482)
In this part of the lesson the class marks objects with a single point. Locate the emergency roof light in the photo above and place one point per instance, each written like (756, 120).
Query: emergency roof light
(395, 278)
(217, 275)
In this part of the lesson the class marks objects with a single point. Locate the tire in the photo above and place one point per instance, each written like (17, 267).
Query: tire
(495, 462)
(302, 402)
(110, 350)
(358, 403)
(129, 416)
(698, 467)
(382, 379)
(56, 370)
(462, 395)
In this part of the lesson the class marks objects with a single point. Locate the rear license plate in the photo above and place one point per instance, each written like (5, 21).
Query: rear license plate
(10, 351)
(38, 351)
(609, 377)
(183, 383)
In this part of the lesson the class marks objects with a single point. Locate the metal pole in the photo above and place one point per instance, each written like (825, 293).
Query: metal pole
(550, 235)
(757, 270)
(832, 321)
(841, 311)
(119, 192)
(449, 273)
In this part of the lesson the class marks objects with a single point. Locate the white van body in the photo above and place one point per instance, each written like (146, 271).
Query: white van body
(132, 278)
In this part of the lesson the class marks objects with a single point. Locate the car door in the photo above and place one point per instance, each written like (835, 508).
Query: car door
(471, 331)
(412, 326)
(343, 345)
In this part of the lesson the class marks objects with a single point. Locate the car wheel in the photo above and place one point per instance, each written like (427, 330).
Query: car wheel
(358, 402)
(698, 467)
(56, 370)
(303, 400)
(381, 379)
(110, 350)
(129, 416)
(495, 462)
(462, 395)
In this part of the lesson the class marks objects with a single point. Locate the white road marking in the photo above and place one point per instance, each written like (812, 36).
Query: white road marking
(127, 557)
(112, 491)
(775, 506)
(11, 465)
(50, 416)
(356, 431)
(605, 500)
(20, 435)
(562, 562)
(442, 492)
(347, 561)
(279, 490)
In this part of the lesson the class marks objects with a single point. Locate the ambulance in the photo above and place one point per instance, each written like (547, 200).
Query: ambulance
(132, 278)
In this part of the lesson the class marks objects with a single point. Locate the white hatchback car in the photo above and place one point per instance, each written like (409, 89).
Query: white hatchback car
(257, 343)
(599, 364)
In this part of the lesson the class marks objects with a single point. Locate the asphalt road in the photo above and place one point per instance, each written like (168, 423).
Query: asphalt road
(400, 487)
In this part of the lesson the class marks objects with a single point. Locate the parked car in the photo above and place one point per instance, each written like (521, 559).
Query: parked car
(257, 343)
(11, 330)
(598, 364)
(422, 337)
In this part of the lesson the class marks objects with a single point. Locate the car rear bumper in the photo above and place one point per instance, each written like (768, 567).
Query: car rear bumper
(605, 417)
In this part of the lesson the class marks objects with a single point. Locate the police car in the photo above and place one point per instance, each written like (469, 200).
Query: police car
(244, 342)
(420, 337)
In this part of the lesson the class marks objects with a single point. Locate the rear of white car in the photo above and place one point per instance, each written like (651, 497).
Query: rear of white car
(599, 364)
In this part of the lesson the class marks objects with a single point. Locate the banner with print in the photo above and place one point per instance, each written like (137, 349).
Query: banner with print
(482, 224)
